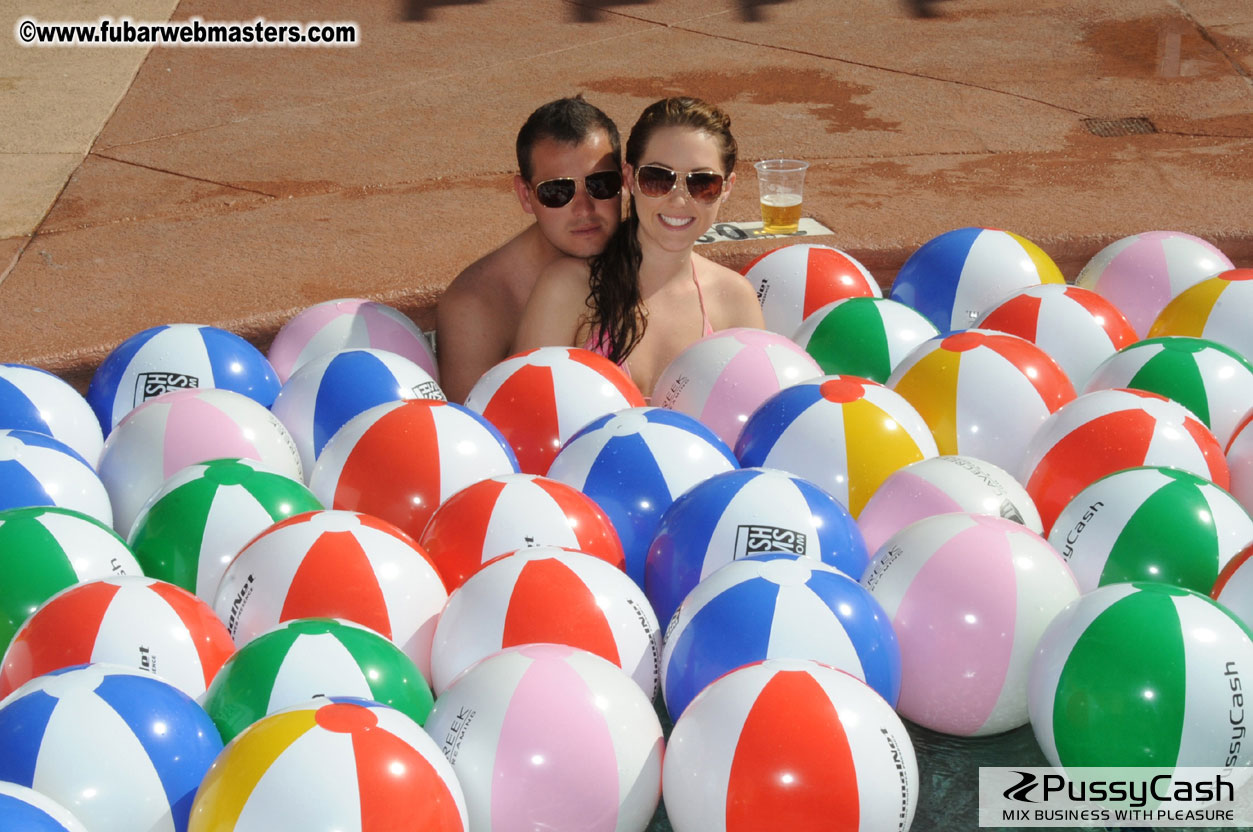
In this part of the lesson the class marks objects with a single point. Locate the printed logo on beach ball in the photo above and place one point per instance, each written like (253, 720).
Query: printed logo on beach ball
(1216, 309)
(37, 470)
(34, 399)
(866, 337)
(793, 281)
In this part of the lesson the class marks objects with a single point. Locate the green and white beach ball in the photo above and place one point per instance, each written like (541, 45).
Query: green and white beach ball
(864, 337)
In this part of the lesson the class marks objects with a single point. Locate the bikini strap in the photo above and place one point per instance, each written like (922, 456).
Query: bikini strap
(706, 327)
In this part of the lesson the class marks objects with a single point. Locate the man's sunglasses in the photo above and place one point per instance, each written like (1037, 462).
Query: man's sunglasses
(655, 181)
(557, 193)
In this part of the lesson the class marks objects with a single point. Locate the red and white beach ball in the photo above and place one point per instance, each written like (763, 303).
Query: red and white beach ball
(724, 377)
(845, 434)
(166, 434)
(548, 595)
(134, 621)
(37, 470)
(969, 597)
(1142, 273)
(348, 323)
(502, 514)
(983, 394)
(1108, 430)
(790, 744)
(34, 399)
(1076, 327)
(333, 764)
(942, 485)
(867, 337)
(335, 564)
(401, 460)
(1234, 587)
(546, 736)
(1240, 462)
(1216, 309)
(793, 281)
(538, 399)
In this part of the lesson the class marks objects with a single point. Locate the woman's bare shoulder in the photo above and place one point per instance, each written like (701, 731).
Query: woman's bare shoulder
(734, 303)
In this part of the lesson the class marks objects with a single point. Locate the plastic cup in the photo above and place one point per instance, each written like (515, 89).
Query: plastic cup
(782, 183)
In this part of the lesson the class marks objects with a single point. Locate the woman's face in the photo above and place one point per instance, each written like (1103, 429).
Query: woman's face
(675, 221)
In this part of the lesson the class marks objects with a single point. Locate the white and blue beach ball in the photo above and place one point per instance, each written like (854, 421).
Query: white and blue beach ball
(35, 399)
(29, 811)
(177, 357)
(37, 470)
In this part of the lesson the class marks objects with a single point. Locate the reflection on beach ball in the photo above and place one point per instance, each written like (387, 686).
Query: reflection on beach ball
(843, 433)
(177, 429)
(538, 399)
(634, 464)
(177, 357)
(1151, 524)
(1214, 382)
(969, 597)
(741, 513)
(941, 485)
(983, 394)
(790, 744)
(1240, 462)
(1234, 587)
(401, 460)
(333, 763)
(1109, 430)
(1120, 673)
(955, 277)
(548, 595)
(1216, 309)
(196, 523)
(724, 377)
(546, 736)
(28, 810)
(319, 398)
(348, 323)
(35, 399)
(334, 564)
(37, 470)
(1076, 327)
(309, 657)
(793, 281)
(777, 606)
(866, 337)
(119, 748)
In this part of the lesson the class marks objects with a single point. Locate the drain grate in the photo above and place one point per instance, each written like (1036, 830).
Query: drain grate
(1110, 127)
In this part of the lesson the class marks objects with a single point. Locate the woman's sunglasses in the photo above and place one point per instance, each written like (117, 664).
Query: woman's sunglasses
(557, 193)
(655, 181)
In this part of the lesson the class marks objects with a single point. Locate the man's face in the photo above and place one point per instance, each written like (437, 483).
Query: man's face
(581, 227)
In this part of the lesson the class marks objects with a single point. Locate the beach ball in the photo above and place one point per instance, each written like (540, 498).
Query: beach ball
(120, 748)
(331, 764)
(1142, 273)
(954, 278)
(309, 657)
(942, 485)
(35, 399)
(1214, 382)
(165, 435)
(177, 357)
(45, 550)
(37, 470)
(548, 595)
(547, 736)
(777, 606)
(634, 464)
(502, 514)
(793, 281)
(538, 399)
(130, 620)
(969, 597)
(1108, 430)
(348, 323)
(1234, 587)
(28, 810)
(335, 564)
(1216, 309)
(866, 337)
(327, 391)
(741, 513)
(1124, 674)
(1240, 462)
(1076, 327)
(400, 460)
(843, 433)
(790, 744)
(722, 378)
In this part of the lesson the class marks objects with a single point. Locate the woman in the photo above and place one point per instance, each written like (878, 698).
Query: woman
(648, 296)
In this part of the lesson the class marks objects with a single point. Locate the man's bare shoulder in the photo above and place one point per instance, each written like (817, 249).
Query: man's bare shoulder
(511, 268)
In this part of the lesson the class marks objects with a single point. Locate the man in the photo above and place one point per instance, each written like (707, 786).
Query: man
(570, 180)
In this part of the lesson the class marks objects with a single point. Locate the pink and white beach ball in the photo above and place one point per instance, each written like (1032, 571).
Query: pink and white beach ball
(795, 280)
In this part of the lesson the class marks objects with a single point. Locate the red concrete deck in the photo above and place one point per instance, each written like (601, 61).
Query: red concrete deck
(237, 186)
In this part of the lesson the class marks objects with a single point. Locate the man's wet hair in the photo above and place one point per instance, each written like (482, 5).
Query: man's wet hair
(566, 121)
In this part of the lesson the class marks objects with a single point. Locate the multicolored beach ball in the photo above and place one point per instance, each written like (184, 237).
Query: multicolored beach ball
(955, 277)
(28, 810)
(1240, 462)
(1234, 587)
(1216, 309)
(793, 281)
(37, 470)
(866, 337)
(35, 399)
